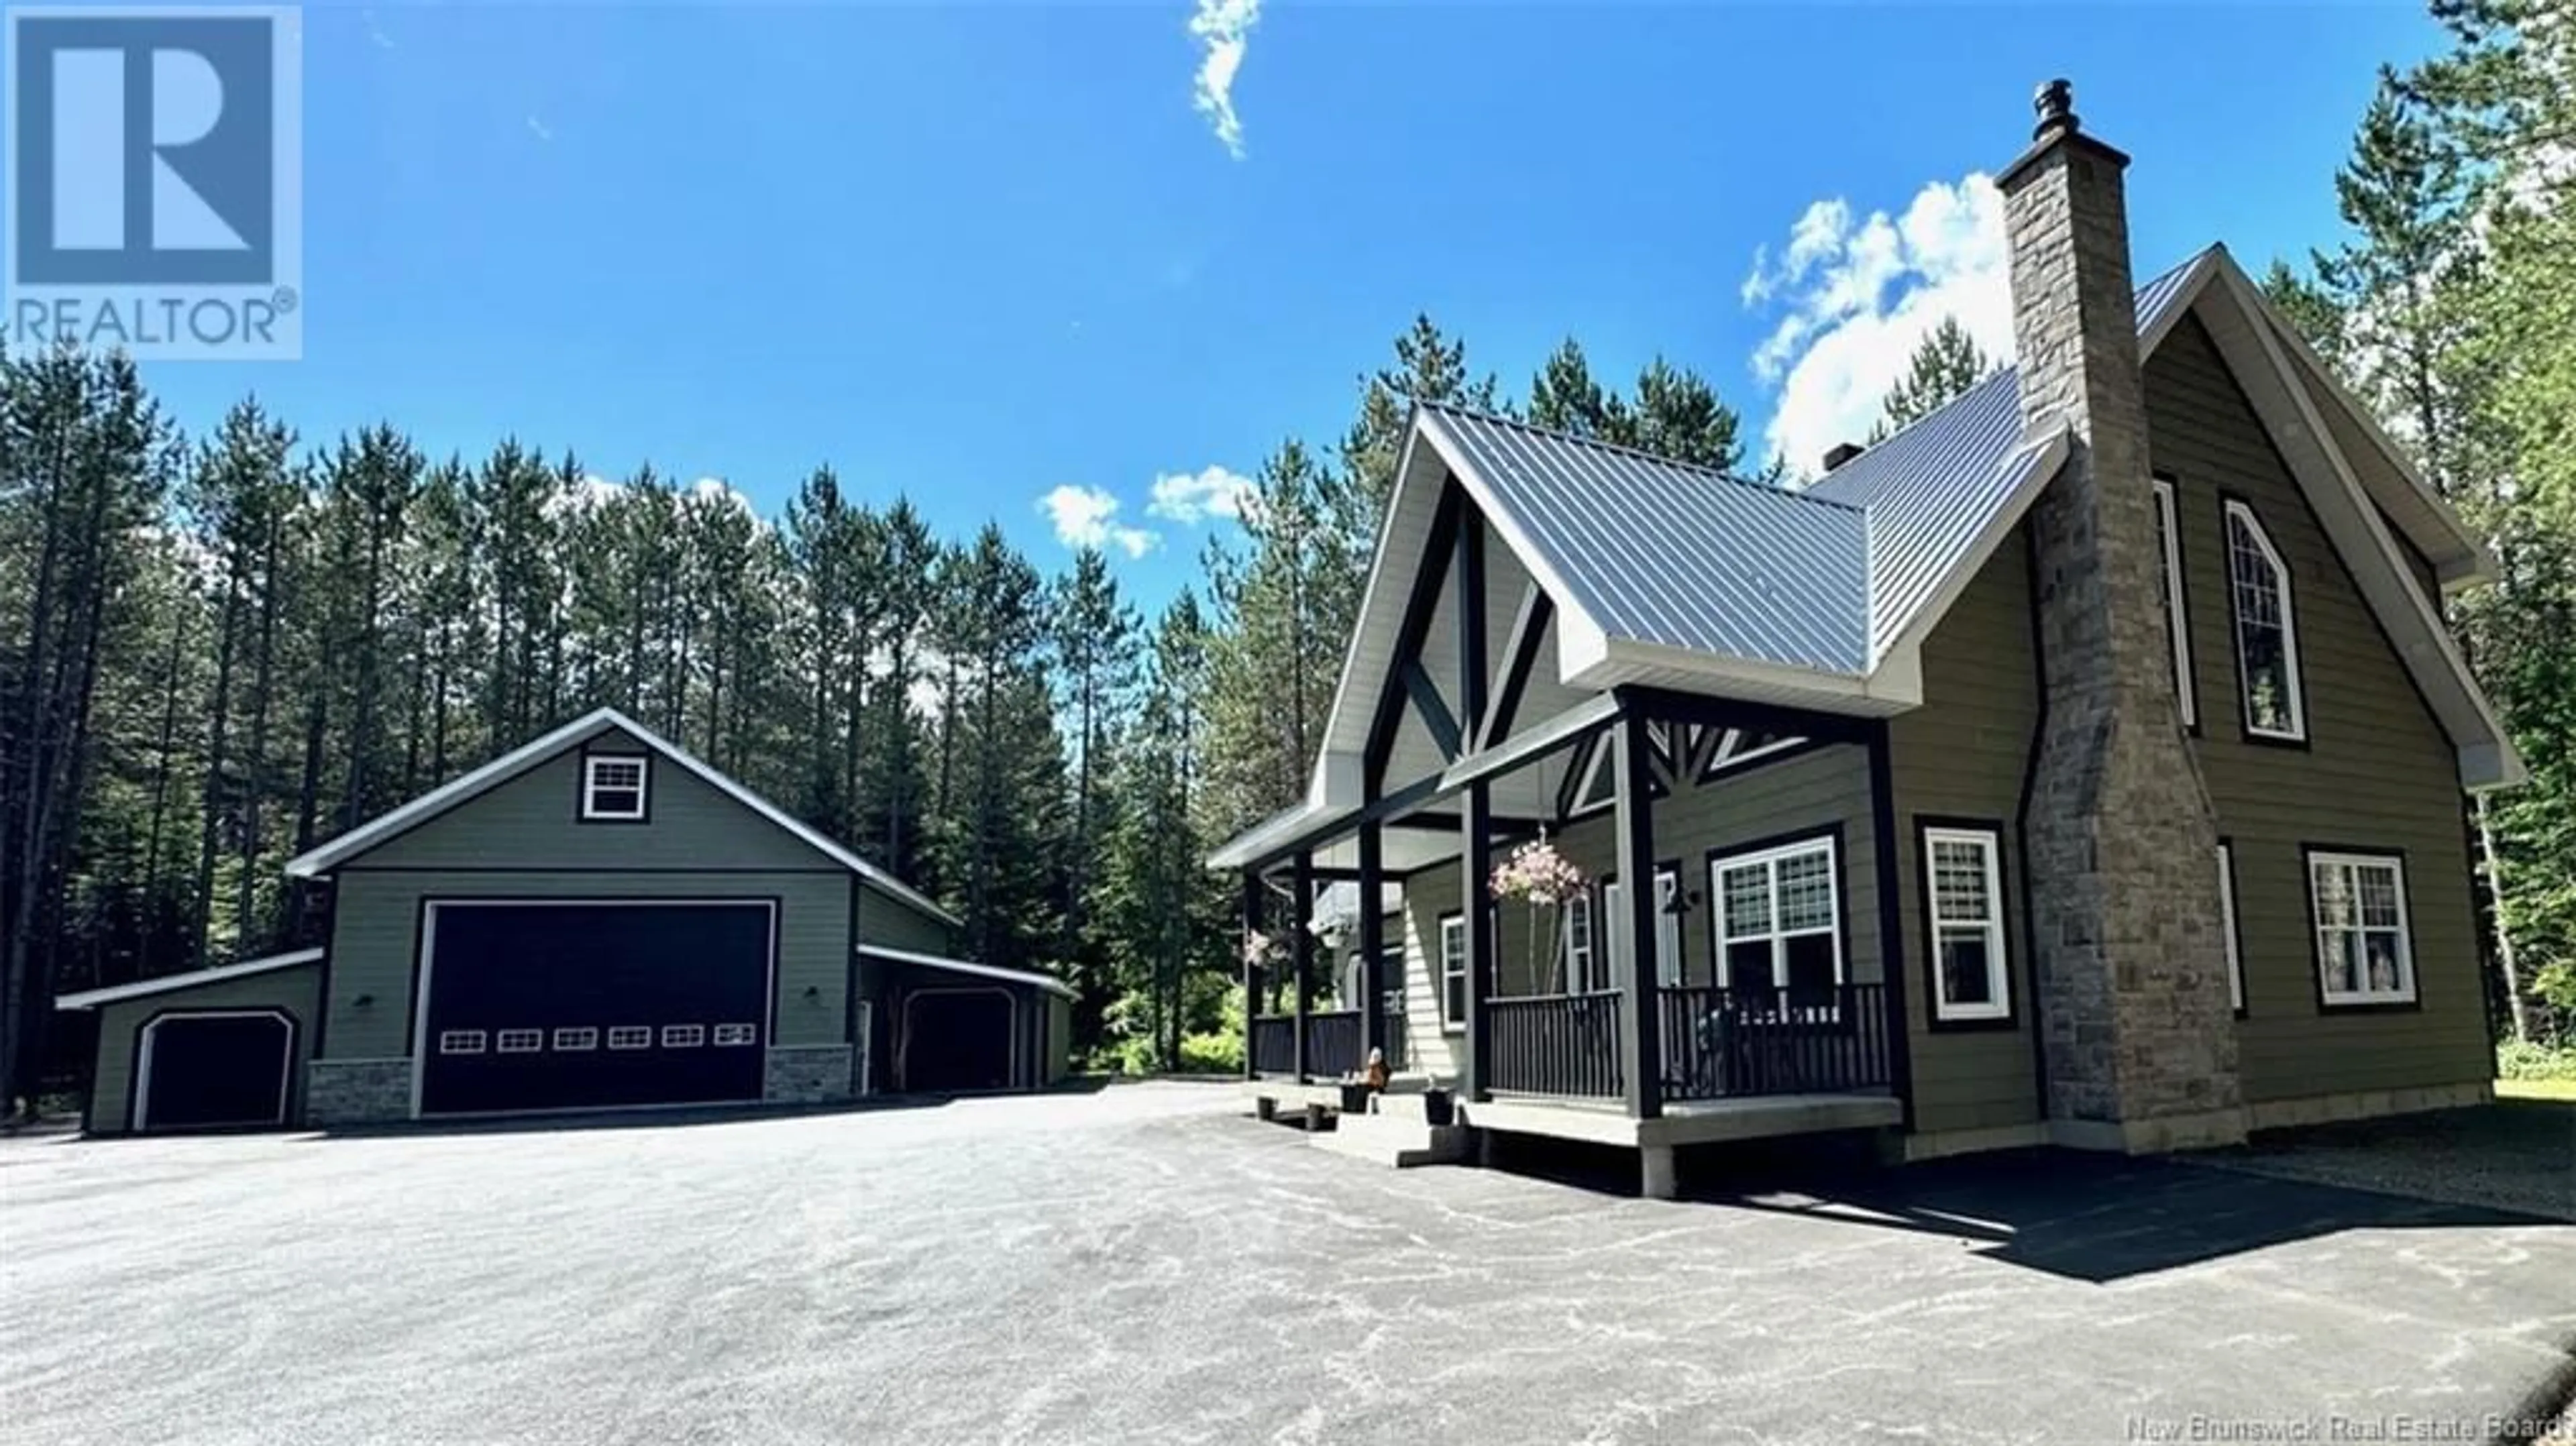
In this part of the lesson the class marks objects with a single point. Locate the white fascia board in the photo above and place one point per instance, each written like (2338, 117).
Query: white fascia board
(1048, 982)
(172, 983)
(2466, 560)
(2355, 528)
(1627, 660)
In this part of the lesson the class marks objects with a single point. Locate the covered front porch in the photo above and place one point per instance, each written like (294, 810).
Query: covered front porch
(1749, 989)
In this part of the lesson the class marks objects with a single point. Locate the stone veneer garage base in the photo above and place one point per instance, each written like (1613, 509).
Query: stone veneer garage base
(378, 1091)
(809, 1074)
(357, 1091)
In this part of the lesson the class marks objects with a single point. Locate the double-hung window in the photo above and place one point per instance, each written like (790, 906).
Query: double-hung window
(1582, 961)
(1778, 919)
(1668, 929)
(612, 787)
(2267, 630)
(1964, 889)
(2177, 617)
(2363, 953)
(1453, 971)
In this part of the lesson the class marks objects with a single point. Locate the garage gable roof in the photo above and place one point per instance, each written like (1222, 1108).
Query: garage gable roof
(510, 765)
(172, 983)
(1047, 982)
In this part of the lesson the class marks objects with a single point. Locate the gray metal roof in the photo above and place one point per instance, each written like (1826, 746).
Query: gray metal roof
(1663, 552)
(1826, 578)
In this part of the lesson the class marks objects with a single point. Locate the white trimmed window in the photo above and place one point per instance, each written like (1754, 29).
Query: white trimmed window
(631, 1036)
(613, 786)
(1963, 880)
(1453, 972)
(1778, 918)
(2267, 629)
(731, 1034)
(520, 1041)
(2227, 921)
(460, 1041)
(573, 1041)
(683, 1036)
(1582, 961)
(2363, 953)
(2177, 620)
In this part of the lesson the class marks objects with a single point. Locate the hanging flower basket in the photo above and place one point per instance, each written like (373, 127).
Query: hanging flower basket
(1535, 873)
(1539, 876)
(1258, 948)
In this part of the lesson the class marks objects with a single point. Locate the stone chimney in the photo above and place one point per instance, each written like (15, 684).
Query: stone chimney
(2120, 848)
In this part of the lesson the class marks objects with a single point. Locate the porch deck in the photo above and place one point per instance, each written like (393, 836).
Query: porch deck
(1684, 1122)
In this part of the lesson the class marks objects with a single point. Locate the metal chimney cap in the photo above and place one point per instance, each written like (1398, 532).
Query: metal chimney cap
(2055, 102)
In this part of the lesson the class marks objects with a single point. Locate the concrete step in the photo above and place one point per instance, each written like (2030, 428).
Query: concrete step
(1392, 1140)
(1431, 1106)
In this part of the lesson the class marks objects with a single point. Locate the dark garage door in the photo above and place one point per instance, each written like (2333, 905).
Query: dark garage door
(205, 1071)
(594, 1005)
(957, 1040)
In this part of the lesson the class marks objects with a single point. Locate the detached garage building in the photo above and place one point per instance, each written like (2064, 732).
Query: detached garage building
(599, 920)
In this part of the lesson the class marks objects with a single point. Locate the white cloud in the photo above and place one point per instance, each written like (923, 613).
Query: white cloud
(1087, 517)
(1224, 27)
(718, 489)
(1194, 497)
(1854, 298)
(540, 129)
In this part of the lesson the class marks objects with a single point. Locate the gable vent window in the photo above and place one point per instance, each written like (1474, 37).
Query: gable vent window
(612, 788)
(2177, 618)
(2267, 630)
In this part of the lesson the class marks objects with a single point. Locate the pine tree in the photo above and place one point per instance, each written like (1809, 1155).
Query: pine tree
(1945, 364)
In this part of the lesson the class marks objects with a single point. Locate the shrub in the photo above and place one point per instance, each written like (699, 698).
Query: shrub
(2535, 1060)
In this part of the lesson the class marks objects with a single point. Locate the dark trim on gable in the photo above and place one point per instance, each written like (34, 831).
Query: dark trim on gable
(1520, 658)
(2011, 1019)
(2308, 849)
(1430, 707)
(1430, 571)
(1891, 918)
(2021, 823)
(2297, 630)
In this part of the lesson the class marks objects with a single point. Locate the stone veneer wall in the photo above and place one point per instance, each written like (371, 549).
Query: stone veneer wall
(357, 1091)
(2119, 837)
(809, 1074)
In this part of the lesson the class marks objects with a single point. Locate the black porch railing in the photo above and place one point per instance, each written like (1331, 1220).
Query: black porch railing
(1274, 1044)
(1333, 1049)
(1555, 1044)
(1720, 1043)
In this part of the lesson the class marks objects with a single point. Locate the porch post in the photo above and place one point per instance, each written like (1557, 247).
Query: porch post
(1476, 896)
(1301, 949)
(1640, 1040)
(1251, 972)
(1476, 821)
(1372, 939)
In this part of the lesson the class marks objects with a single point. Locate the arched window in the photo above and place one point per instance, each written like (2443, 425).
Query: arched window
(2267, 630)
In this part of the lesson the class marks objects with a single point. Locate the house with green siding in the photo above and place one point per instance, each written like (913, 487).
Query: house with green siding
(2084, 764)
(598, 920)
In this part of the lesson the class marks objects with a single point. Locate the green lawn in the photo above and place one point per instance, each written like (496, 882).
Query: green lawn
(2536, 1089)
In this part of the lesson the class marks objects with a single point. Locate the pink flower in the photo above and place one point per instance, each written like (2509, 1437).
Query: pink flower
(1537, 873)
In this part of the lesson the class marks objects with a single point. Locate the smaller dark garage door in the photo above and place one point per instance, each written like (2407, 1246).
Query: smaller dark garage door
(957, 1039)
(210, 1070)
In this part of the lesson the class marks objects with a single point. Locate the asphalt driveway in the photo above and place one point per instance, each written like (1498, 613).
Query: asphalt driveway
(1145, 1265)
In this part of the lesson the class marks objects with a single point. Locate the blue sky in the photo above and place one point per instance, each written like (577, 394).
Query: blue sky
(983, 253)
